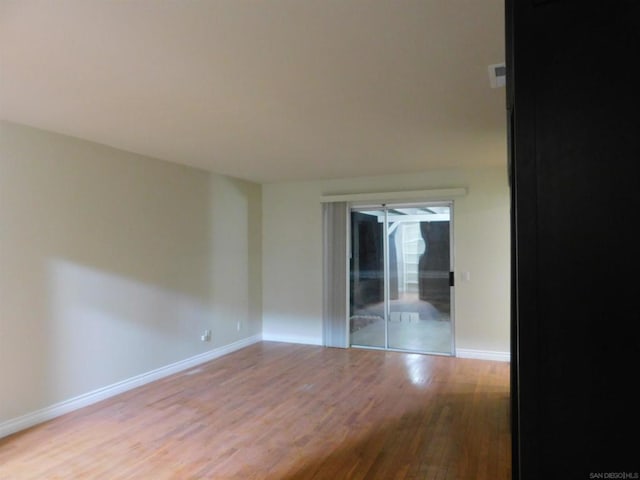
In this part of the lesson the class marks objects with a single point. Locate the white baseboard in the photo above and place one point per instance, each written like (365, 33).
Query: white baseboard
(267, 337)
(29, 420)
(483, 354)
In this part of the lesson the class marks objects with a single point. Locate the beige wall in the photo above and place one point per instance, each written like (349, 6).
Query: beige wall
(292, 253)
(113, 264)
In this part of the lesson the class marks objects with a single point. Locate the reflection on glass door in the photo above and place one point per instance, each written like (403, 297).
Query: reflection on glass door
(400, 281)
(367, 316)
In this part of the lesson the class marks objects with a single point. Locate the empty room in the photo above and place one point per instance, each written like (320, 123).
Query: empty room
(254, 240)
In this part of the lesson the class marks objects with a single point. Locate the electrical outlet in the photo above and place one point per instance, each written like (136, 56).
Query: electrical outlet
(239, 326)
(206, 336)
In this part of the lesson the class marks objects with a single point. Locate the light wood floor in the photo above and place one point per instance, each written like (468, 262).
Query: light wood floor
(285, 412)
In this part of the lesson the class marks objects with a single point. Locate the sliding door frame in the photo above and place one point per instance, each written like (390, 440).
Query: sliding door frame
(370, 205)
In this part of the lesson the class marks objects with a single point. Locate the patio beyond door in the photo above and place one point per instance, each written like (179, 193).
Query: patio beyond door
(400, 278)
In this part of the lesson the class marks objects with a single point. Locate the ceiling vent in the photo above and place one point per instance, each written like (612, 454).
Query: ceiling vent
(498, 75)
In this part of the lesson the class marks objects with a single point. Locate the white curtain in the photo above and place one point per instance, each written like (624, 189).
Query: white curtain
(335, 217)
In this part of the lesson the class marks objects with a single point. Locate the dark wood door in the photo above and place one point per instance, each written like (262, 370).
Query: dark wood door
(574, 141)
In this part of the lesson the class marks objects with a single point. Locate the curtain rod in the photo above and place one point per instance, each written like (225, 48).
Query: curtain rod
(418, 195)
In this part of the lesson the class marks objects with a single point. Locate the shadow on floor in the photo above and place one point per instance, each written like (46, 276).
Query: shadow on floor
(455, 437)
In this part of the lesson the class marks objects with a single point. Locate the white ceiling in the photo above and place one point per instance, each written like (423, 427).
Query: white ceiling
(264, 90)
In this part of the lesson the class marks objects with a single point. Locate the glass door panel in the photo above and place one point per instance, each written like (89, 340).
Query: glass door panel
(367, 299)
(419, 291)
(400, 296)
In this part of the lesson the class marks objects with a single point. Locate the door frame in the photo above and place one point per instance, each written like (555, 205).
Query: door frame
(385, 205)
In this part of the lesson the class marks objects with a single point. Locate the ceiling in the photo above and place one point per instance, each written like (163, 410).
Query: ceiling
(264, 90)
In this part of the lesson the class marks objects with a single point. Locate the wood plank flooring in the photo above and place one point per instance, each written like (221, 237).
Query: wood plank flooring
(286, 412)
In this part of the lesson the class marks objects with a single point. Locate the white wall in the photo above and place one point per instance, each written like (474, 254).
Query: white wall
(292, 253)
(113, 264)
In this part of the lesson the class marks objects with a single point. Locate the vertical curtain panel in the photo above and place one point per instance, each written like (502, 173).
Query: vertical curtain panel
(335, 217)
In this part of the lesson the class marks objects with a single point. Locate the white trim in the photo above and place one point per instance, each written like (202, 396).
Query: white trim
(269, 337)
(417, 195)
(29, 420)
(483, 355)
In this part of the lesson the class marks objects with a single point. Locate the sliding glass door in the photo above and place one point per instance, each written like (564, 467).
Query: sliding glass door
(400, 264)
(368, 305)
